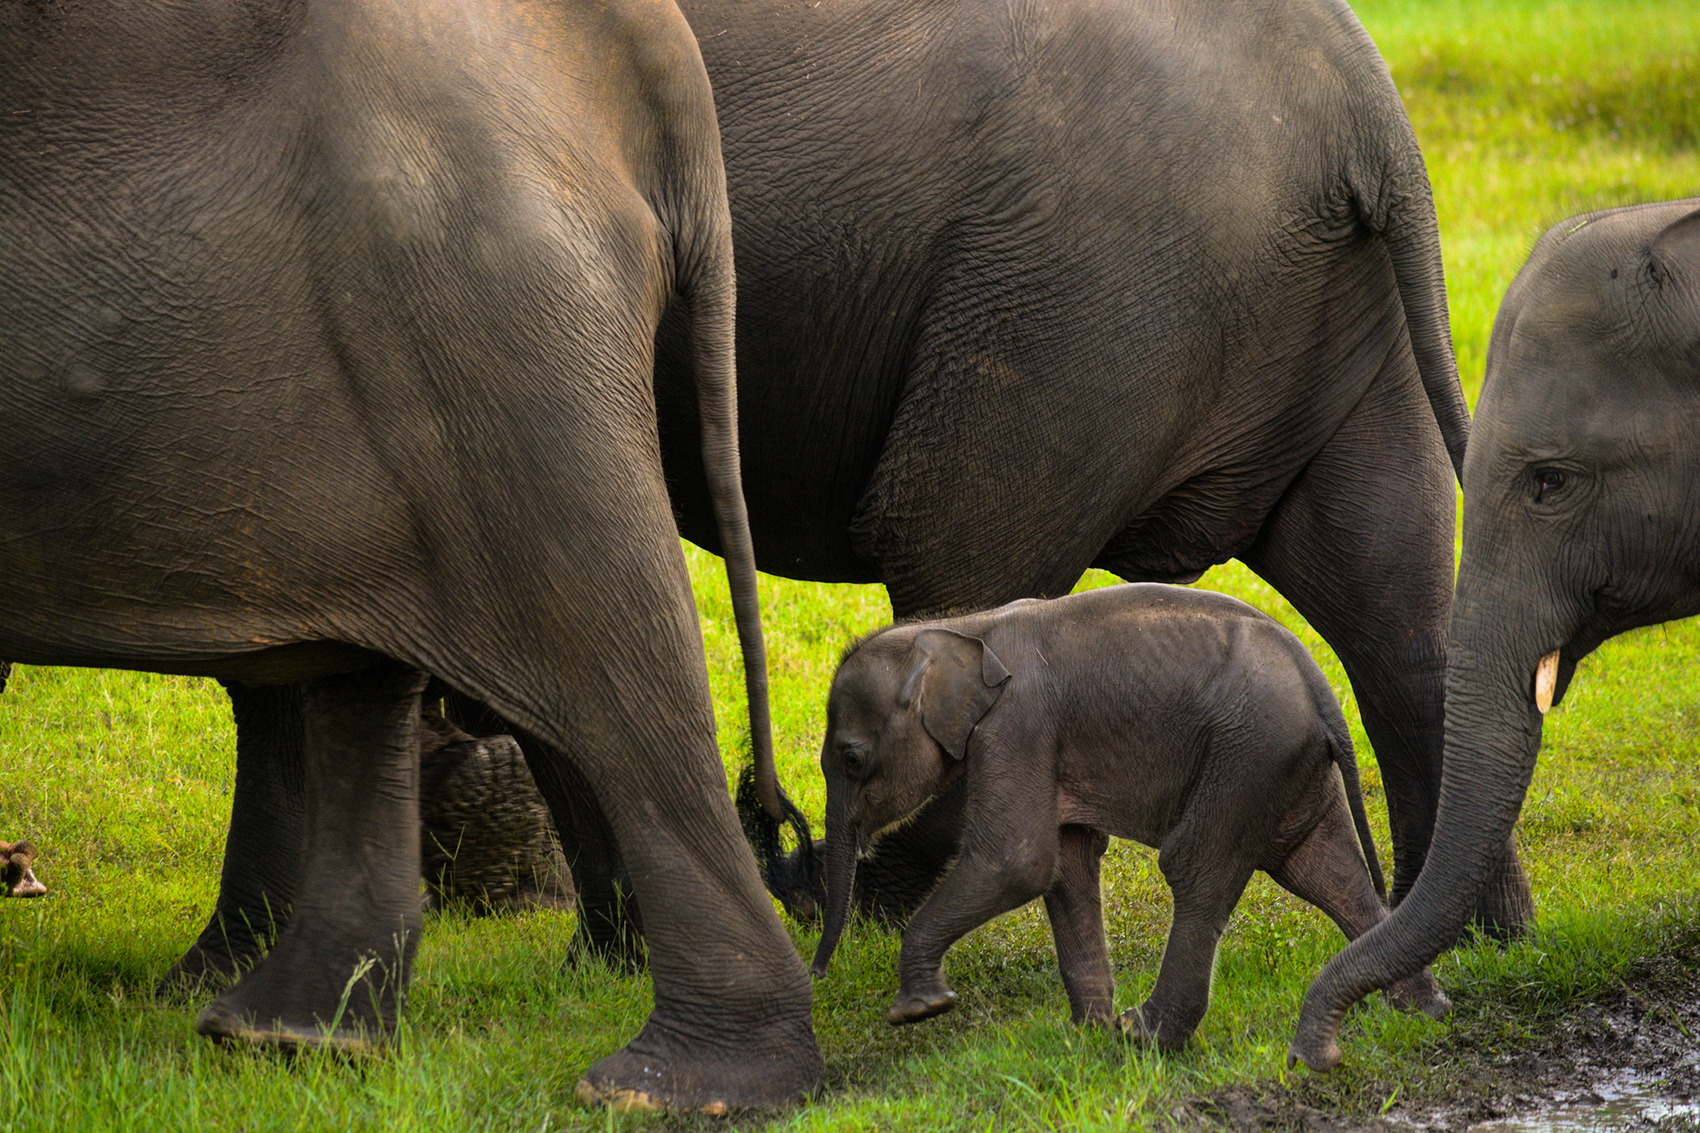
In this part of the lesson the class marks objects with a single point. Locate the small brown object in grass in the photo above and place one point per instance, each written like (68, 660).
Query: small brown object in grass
(17, 878)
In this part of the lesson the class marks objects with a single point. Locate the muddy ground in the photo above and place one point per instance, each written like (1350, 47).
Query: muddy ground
(1646, 1028)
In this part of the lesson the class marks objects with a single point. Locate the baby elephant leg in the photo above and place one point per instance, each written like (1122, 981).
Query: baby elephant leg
(1327, 869)
(1206, 877)
(1004, 865)
(1077, 925)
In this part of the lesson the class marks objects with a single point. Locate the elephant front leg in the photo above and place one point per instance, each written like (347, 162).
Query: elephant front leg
(339, 970)
(265, 847)
(1076, 913)
(1001, 868)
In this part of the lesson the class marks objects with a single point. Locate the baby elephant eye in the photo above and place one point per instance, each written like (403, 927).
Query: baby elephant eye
(1547, 481)
(853, 760)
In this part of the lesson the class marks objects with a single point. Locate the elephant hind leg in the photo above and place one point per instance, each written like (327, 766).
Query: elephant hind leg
(1361, 545)
(610, 928)
(340, 967)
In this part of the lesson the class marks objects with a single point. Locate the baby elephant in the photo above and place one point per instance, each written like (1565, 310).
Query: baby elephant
(1179, 718)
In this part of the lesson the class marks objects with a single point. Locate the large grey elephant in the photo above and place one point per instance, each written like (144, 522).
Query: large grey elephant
(305, 310)
(1580, 522)
(1025, 290)
(1141, 285)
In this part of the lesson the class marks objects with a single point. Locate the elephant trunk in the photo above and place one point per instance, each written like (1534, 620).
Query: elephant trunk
(841, 838)
(1493, 733)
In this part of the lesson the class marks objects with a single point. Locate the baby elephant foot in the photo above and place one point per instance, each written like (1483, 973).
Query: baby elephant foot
(1419, 993)
(923, 1002)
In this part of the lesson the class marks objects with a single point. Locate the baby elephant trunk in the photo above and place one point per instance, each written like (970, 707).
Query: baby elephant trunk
(840, 885)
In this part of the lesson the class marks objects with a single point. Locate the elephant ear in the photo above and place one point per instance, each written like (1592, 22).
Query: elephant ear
(1675, 252)
(1673, 260)
(953, 682)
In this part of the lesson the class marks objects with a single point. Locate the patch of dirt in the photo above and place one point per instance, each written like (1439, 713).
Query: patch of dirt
(1646, 1028)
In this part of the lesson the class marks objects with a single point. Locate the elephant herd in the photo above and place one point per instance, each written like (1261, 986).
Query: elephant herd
(348, 345)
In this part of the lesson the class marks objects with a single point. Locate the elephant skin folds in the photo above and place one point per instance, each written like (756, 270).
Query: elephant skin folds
(326, 355)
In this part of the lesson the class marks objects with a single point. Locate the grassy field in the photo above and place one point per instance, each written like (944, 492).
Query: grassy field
(1528, 111)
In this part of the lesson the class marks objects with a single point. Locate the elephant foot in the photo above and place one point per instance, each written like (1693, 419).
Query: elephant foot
(751, 1068)
(913, 1006)
(201, 971)
(1134, 1030)
(223, 1025)
(217, 959)
(1419, 993)
(1144, 1026)
(314, 1005)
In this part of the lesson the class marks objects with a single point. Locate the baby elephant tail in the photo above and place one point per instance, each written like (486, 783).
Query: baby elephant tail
(1340, 743)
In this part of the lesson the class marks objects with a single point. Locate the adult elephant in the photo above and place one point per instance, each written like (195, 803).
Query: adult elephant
(1580, 522)
(1133, 284)
(306, 310)
(1129, 284)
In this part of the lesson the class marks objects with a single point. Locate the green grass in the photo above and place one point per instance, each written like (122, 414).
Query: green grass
(1527, 112)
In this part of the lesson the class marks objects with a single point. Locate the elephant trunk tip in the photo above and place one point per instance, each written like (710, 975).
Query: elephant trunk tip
(1321, 1060)
(824, 950)
(1316, 1042)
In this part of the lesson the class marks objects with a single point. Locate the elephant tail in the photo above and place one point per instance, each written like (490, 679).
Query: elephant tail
(1396, 201)
(1345, 758)
(706, 283)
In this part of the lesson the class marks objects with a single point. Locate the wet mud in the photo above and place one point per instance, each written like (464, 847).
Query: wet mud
(1626, 1059)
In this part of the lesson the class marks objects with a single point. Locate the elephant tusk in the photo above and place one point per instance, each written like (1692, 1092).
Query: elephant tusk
(1546, 679)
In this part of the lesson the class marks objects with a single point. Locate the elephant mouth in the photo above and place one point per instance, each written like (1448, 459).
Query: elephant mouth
(870, 831)
(1553, 673)
(1552, 676)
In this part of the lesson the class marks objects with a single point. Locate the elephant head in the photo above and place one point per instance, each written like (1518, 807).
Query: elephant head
(902, 707)
(1581, 521)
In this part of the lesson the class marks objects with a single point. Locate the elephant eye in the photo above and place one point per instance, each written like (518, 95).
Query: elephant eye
(1548, 481)
(853, 760)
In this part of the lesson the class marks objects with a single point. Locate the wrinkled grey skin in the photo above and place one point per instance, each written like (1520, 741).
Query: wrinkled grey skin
(1024, 290)
(1581, 521)
(305, 308)
(1181, 719)
(1143, 285)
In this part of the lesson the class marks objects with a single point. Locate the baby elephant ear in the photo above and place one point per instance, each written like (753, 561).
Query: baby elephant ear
(1676, 250)
(955, 679)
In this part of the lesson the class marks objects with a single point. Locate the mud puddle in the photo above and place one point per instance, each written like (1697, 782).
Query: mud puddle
(1630, 1101)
